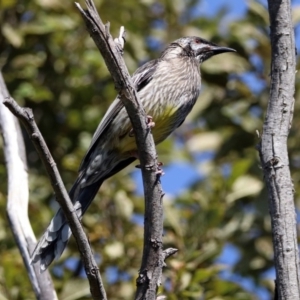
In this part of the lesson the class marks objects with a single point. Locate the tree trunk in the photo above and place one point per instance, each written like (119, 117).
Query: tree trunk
(274, 154)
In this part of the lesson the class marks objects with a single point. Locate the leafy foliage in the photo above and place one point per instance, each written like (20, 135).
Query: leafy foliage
(51, 65)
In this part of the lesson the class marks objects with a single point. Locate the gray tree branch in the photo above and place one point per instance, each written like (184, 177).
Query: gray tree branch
(17, 199)
(26, 117)
(153, 259)
(273, 151)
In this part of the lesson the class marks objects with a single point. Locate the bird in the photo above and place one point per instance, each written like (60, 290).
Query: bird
(168, 87)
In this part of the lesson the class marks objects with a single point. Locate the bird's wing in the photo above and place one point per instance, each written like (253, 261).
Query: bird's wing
(110, 115)
(143, 75)
(140, 78)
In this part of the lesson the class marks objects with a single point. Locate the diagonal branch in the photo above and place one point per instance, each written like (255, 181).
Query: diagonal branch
(26, 117)
(17, 199)
(153, 259)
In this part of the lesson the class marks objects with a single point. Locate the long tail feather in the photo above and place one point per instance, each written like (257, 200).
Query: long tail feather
(54, 241)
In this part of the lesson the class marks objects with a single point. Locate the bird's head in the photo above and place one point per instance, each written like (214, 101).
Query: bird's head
(192, 46)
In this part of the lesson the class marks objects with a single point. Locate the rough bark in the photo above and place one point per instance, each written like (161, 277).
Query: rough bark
(17, 199)
(153, 258)
(274, 154)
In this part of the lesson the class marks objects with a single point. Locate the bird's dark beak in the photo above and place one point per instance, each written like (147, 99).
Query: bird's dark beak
(211, 50)
(218, 50)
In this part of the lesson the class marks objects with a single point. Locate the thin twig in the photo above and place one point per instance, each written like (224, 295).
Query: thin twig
(26, 117)
(169, 252)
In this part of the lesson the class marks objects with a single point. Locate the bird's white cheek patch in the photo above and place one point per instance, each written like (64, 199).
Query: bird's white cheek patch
(197, 47)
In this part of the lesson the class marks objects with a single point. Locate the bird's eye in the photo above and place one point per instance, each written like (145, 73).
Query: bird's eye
(197, 41)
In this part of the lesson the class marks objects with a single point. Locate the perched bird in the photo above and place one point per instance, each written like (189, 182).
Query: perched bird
(168, 88)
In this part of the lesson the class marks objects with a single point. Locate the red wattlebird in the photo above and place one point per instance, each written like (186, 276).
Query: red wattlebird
(168, 88)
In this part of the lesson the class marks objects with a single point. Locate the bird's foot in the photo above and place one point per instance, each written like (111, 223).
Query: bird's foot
(160, 171)
(131, 133)
(133, 153)
(150, 122)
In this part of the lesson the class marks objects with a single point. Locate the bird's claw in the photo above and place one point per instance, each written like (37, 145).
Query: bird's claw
(150, 122)
(160, 171)
(131, 133)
